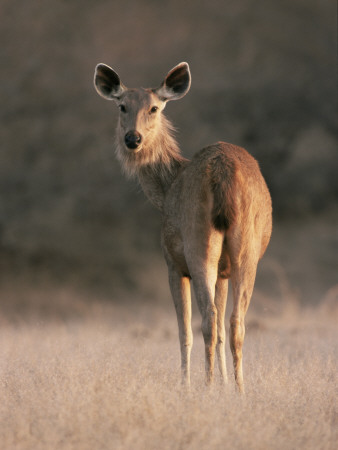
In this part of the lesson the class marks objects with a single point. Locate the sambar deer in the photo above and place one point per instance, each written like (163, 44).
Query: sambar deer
(216, 213)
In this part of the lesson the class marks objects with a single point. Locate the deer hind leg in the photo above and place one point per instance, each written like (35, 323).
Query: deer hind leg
(180, 290)
(204, 277)
(202, 251)
(243, 279)
(205, 291)
(220, 303)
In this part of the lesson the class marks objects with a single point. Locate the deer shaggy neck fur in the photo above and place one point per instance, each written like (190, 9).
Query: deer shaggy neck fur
(160, 152)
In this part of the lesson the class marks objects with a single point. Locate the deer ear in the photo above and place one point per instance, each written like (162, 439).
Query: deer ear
(176, 84)
(107, 82)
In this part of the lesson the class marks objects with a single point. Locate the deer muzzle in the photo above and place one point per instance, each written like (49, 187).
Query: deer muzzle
(133, 139)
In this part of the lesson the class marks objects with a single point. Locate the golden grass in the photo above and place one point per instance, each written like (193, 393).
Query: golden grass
(109, 380)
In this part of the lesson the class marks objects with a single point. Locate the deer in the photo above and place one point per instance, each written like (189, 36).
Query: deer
(216, 215)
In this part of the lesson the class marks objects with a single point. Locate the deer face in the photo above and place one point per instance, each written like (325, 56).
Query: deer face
(139, 119)
(140, 109)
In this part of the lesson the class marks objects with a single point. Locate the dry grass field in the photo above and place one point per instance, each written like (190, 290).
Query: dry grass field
(97, 375)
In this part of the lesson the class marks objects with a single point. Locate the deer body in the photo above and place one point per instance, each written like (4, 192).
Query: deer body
(216, 214)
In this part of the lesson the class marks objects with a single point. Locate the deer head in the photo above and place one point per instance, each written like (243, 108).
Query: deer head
(140, 120)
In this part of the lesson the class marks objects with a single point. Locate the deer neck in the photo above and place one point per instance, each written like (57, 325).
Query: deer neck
(156, 180)
(157, 164)
(157, 175)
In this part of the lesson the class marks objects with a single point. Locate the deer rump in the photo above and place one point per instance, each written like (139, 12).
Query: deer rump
(222, 164)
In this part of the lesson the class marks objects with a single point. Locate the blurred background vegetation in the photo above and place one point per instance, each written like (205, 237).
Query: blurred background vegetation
(263, 77)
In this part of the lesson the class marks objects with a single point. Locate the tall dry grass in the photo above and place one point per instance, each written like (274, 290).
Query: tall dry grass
(109, 380)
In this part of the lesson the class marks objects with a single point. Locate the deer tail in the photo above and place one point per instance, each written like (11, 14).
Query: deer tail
(223, 190)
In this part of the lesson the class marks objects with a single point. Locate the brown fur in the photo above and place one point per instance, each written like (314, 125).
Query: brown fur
(216, 212)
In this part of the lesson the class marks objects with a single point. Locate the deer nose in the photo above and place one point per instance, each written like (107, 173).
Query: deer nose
(132, 139)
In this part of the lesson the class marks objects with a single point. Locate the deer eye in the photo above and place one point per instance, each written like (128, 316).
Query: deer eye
(123, 108)
(153, 109)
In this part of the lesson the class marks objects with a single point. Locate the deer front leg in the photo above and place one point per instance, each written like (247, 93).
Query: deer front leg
(180, 290)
